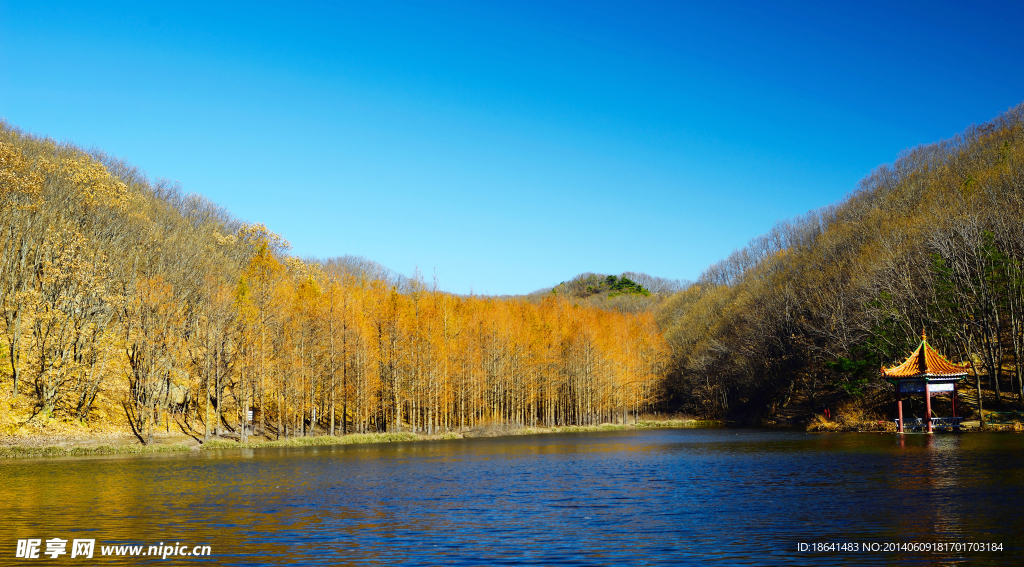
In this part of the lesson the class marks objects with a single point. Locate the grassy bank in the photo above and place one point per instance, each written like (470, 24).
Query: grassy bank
(488, 431)
(22, 451)
(876, 414)
(354, 439)
(843, 423)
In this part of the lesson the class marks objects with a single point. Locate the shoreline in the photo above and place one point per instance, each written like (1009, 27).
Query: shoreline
(44, 447)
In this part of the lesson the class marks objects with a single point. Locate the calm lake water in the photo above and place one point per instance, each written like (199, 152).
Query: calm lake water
(725, 496)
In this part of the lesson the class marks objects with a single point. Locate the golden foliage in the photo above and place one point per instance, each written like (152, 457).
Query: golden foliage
(117, 292)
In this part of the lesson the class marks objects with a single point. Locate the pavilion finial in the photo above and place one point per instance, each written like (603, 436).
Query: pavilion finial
(924, 335)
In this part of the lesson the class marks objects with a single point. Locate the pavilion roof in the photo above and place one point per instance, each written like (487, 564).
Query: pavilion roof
(925, 362)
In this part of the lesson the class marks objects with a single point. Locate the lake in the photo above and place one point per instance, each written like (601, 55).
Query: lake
(681, 496)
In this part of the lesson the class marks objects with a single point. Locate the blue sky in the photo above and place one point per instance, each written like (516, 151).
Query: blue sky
(509, 146)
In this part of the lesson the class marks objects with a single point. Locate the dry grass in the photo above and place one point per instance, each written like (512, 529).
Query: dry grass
(645, 422)
(78, 439)
(852, 418)
(354, 439)
(1015, 426)
(13, 452)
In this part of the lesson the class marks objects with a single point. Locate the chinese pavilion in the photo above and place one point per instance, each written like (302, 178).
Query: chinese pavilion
(928, 372)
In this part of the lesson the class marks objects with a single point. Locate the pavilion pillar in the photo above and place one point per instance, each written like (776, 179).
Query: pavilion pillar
(928, 405)
(899, 408)
(953, 399)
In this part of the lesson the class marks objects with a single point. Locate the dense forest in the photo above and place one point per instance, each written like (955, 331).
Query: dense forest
(127, 301)
(814, 308)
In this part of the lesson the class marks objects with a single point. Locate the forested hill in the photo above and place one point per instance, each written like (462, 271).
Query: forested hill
(129, 303)
(812, 309)
(126, 304)
(630, 292)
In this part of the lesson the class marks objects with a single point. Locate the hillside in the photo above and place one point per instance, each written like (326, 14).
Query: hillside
(807, 313)
(130, 306)
(629, 292)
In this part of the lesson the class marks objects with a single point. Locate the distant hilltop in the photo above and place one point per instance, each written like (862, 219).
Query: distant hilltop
(629, 291)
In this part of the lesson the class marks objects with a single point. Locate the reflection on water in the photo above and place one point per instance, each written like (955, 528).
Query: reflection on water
(672, 496)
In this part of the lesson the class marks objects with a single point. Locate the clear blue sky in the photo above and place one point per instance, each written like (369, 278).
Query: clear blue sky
(510, 145)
